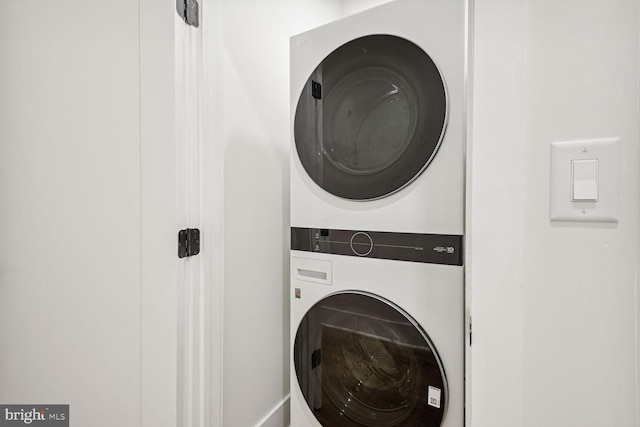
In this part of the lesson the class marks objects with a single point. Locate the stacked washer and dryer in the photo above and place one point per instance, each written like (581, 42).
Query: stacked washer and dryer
(377, 217)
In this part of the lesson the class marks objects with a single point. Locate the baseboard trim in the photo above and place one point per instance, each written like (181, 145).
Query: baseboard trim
(278, 416)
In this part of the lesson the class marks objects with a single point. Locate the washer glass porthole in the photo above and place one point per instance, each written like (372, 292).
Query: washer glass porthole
(371, 117)
(362, 361)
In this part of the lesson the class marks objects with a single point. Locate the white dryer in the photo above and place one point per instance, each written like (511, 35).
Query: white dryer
(377, 215)
(378, 110)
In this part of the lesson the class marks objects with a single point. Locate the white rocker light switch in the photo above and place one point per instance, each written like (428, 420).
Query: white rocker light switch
(584, 180)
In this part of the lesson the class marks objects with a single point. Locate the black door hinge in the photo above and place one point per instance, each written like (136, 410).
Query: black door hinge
(188, 242)
(189, 11)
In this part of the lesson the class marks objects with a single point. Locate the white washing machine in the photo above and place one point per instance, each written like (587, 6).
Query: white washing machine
(377, 215)
(376, 343)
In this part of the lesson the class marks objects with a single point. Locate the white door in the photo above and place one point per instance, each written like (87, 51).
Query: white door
(89, 273)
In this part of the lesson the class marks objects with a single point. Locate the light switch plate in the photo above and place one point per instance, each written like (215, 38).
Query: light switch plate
(607, 153)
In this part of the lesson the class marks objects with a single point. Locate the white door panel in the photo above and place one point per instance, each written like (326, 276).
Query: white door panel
(87, 210)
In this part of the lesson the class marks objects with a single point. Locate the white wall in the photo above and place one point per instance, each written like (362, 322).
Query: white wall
(349, 7)
(256, 202)
(579, 292)
(495, 210)
(554, 307)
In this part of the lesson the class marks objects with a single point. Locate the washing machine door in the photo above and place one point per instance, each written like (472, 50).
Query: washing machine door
(362, 361)
(370, 117)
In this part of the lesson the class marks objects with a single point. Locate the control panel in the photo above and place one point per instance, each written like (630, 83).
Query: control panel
(428, 248)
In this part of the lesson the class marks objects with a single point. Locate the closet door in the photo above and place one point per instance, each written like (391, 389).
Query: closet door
(88, 255)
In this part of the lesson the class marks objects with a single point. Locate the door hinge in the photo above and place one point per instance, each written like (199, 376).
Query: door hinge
(188, 242)
(470, 332)
(189, 11)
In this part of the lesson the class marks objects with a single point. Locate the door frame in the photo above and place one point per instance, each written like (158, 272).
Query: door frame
(212, 173)
(174, 380)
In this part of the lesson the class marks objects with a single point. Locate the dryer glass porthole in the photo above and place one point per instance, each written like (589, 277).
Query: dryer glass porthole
(370, 117)
(361, 361)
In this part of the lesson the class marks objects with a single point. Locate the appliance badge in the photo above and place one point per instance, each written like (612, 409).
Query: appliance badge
(434, 397)
(443, 249)
(297, 293)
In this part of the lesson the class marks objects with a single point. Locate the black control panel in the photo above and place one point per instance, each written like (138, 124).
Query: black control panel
(428, 248)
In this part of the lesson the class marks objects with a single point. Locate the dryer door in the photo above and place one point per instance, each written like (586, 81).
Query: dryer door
(361, 361)
(370, 117)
